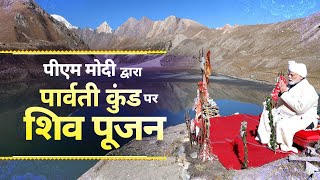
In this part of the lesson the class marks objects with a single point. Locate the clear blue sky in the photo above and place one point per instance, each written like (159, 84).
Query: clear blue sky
(212, 13)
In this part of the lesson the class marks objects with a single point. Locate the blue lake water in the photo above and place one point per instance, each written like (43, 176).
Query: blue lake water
(231, 95)
(228, 107)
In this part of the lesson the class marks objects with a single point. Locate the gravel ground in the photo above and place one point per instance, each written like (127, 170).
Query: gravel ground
(180, 165)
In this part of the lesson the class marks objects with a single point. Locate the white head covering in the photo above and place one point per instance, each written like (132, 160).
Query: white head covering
(298, 68)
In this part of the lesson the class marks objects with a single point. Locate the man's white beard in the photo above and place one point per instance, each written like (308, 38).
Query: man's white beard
(292, 82)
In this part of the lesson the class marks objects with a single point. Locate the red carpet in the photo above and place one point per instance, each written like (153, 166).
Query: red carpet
(226, 142)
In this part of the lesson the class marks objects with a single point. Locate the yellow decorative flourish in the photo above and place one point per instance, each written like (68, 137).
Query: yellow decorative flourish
(80, 52)
(137, 158)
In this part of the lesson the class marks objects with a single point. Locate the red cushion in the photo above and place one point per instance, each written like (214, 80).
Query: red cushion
(308, 134)
(303, 137)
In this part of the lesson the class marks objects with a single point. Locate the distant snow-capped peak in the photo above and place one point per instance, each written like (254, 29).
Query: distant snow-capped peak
(104, 27)
(64, 21)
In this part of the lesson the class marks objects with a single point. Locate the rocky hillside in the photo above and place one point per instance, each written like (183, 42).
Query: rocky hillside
(141, 34)
(256, 52)
(260, 51)
(25, 25)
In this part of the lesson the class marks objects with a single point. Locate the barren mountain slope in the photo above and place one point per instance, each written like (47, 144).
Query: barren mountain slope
(25, 25)
(257, 52)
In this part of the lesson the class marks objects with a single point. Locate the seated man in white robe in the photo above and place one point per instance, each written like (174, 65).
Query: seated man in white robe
(297, 109)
